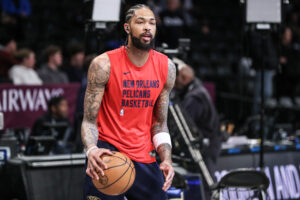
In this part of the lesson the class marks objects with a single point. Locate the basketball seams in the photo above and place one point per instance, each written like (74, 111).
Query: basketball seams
(132, 170)
(130, 180)
(123, 160)
(114, 166)
(115, 180)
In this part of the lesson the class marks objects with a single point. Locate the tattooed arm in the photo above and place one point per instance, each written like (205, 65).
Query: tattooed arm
(98, 76)
(159, 124)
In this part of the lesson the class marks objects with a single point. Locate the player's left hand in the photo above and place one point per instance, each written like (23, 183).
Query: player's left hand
(168, 171)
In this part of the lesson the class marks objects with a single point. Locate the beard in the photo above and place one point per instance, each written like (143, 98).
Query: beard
(140, 45)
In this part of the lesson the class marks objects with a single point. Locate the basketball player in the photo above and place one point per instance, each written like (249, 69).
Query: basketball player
(125, 109)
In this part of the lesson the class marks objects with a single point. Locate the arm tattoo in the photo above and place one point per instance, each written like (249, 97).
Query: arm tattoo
(98, 76)
(165, 152)
(160, 112)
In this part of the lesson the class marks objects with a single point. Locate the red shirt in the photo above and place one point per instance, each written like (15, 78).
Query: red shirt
(125, 114)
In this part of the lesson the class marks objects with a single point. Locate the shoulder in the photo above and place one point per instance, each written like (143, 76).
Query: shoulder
(43, 69)
(171, 75)
(101, 62)
(171, 70)
(17, 69)
(99, 71)
(13, 69)
(159, 54)
(160, 58)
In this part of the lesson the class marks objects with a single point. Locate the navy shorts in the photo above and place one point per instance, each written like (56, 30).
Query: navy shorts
(147, 185)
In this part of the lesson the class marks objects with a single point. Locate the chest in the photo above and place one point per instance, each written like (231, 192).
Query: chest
(134, 88)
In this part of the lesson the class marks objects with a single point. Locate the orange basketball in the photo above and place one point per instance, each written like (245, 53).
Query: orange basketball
(119, 175)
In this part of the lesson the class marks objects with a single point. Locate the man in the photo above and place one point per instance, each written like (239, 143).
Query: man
(289, 61)
(55, 123)
(197, 102)
(24, 73)
(50, 72)
(263, 53)
(75, 69)
(126, 105)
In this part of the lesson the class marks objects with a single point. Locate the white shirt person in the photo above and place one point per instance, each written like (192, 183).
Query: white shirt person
(24, 73)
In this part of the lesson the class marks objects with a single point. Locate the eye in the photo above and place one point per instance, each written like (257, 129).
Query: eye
(139, 22)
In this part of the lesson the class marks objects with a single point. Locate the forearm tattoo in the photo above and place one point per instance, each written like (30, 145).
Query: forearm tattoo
(98, 76)
(160, 112)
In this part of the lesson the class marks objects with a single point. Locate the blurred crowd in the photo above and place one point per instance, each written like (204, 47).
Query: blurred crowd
(18, 66)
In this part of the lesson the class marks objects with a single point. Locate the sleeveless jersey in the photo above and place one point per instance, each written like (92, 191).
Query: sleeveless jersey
(125, 114)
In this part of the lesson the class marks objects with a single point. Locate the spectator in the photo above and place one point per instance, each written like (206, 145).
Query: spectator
(23, 73)
(54, 123)
(264, 54)
(50, 72)
(75, 69)
(295, 25)
(173, 23)
(289, 63)
(8, 48)
(196, 100)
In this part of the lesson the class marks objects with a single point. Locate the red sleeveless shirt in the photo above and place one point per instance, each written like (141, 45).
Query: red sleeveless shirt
(125, 114)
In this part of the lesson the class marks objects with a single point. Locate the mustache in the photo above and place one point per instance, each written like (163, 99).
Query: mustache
(147, 34)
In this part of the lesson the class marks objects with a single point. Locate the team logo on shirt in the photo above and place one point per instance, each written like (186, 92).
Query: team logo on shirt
(122, 112)
(137, 93)
(152, 153)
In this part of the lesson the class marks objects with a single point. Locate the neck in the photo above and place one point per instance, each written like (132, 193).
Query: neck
(74, 64)
(52, 66)
(24, 64)
(137, 56)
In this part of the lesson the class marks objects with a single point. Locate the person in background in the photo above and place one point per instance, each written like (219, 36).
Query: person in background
(75, 70)
(264, 55)
(173, 23)
(8, 47)
(289, 64)
(24, 73)
(55, 123)
(196, 101)
(50, 72)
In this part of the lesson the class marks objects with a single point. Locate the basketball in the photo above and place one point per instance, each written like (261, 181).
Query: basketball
(119, 175)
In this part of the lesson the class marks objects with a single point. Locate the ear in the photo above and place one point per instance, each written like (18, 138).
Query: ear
(126, 28)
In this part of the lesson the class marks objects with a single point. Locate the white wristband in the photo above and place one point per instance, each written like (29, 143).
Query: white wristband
(161, 138)
(90, 149)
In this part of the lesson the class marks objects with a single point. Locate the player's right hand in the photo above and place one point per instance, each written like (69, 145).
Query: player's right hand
(95, 164)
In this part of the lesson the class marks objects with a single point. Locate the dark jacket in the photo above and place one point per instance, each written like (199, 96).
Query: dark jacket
(198, 104)
(49, 75)
(46, 125)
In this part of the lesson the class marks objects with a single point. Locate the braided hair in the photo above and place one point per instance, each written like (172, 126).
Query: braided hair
(131, 11)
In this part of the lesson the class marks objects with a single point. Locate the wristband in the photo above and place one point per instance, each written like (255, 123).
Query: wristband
(90, 149)
(161, 138)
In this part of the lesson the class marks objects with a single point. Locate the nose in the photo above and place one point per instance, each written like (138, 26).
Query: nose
(147, 27)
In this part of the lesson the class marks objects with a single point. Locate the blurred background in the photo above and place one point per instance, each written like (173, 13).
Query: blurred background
(45, 51)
